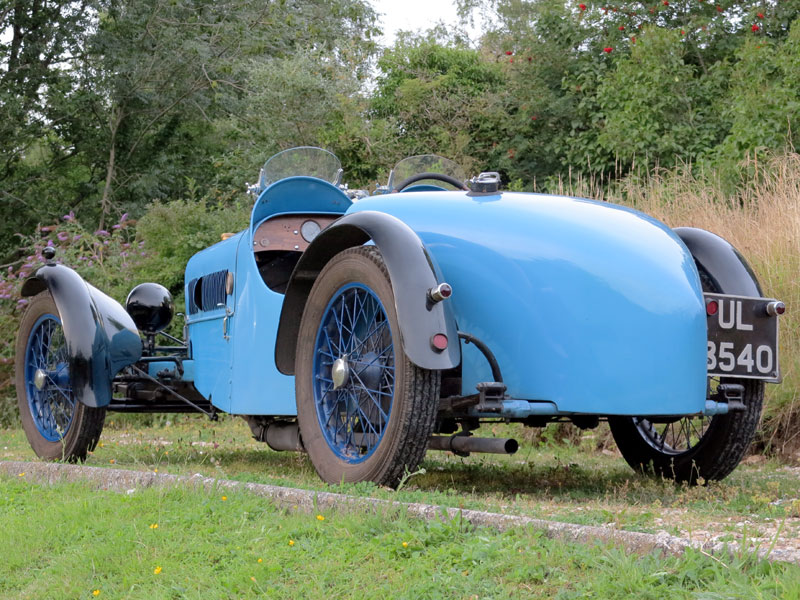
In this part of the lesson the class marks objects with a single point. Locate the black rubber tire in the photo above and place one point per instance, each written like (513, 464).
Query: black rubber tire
(416, 390)
(87, 422)
(717, 453)
(722, 446)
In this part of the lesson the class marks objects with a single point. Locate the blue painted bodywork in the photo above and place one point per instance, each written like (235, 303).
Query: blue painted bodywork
(588, 307)
(591, 306)
(238, 374)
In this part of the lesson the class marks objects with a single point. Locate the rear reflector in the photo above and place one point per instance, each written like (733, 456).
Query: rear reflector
(439, 342)
(775, 308)
(711, 307)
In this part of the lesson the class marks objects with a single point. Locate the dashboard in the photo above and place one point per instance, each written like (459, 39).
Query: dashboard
(290, 232)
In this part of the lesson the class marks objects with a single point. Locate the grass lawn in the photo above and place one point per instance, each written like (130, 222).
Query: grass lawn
(69, 541)
(574, 483)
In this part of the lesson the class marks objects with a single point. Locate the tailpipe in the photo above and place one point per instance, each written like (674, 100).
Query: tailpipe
(462, 444)
(282, 436)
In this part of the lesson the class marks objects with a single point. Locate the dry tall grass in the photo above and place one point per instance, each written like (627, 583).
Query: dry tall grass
(763, 222)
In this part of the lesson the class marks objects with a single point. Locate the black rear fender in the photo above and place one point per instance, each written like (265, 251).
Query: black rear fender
(717, 259)
(101, 338)
(412, 273)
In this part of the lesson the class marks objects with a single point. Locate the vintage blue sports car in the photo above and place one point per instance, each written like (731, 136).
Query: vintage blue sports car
(367, 329)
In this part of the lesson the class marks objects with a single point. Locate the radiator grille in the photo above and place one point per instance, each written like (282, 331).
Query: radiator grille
(207, 292)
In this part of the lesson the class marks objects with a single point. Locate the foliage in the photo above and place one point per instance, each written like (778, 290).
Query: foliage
(111, 259)
(156, 248)
(140, 95)
(656, 108)
(434, 98)
(601, 89)
(174, 231)
(763, 106)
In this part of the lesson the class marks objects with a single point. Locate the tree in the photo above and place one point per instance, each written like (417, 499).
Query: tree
(435, 98)
(112, 103)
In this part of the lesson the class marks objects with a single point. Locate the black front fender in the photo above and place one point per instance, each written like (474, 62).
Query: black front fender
(412, 273)
(101, 338)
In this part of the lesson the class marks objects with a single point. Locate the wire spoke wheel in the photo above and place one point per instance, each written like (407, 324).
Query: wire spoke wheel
(50, 397)
(354, 335)
(365, 411)
(57, 424)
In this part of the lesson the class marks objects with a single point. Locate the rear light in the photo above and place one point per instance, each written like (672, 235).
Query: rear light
(711, 307)
(439, 342)
(440, 292)
(775, 308)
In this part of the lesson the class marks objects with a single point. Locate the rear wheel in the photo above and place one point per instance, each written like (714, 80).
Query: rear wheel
(57, 425)
(692, 448)
(365, 411)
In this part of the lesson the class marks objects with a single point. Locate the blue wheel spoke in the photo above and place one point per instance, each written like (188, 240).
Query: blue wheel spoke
(376, 402)
(367, 421)
(354, 329)
(378, 327)
(52, 407)
(372, 362)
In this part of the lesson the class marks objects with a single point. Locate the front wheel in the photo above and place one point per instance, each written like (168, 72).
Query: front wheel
(57, 424)
(365, 411)
(691, 449)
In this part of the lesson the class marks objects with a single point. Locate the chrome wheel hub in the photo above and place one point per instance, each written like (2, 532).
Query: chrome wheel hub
(39, 379)
(340, 372)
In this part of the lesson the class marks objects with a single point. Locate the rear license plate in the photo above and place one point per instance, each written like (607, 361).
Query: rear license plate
(742, 338)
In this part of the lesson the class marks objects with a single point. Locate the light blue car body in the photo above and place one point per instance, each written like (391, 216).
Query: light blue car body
(589, 308)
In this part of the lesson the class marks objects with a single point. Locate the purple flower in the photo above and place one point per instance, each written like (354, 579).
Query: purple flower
(126, 245)
(76, 237)
(105, 243)
(70, 217)
(123, 253)
(116, 226)
(63, 236)
(29, 265)
(46, 229)
(141, 244)
(49, 242)
(123, 218)
(82, 258)
(102, 232)
(22, 302)
(143, 253)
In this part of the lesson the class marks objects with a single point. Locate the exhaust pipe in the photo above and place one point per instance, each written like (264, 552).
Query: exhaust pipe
(460, 444)
(283, 436)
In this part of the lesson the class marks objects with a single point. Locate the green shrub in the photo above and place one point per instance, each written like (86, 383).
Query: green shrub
(156, 248)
